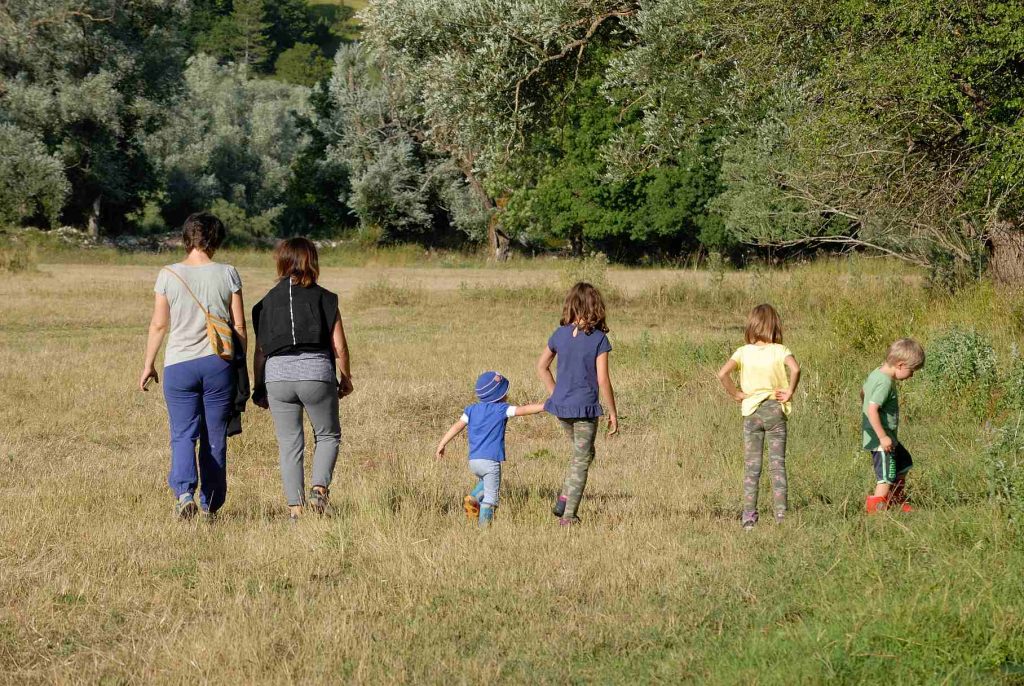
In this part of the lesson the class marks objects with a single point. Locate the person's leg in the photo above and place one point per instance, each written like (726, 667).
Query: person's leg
(776, 431)
(559, 507)
(321, 402)
(471, 503)
(218, 380)
(286, 409)
(885, 475)
(903, 464)
(584, 433)
(182, 392)
(490, 474)
(753, 450)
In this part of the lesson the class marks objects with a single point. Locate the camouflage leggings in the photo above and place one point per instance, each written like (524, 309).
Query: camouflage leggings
(768, 420)
(581, 433)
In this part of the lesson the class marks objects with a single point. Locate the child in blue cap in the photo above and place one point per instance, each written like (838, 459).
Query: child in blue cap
(486, 421)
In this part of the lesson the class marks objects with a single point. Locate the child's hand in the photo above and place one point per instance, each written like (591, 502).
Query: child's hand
(440, 452)
(613, 424)
(739, 396)
(783, 396)
(886, 444)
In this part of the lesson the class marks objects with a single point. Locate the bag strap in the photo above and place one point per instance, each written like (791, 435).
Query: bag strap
(185, 284)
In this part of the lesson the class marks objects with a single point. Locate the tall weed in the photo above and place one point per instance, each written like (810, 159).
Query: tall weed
(962, 367)
(1004, 466)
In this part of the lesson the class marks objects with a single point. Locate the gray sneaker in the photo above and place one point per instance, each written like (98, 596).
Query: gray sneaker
(185, 507)
(319, 499)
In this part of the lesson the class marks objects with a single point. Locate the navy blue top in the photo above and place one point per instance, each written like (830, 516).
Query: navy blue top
(576, 390)
(486, 430)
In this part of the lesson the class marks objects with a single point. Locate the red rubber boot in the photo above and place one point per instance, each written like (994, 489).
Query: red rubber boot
(874, 504)
(898, 495)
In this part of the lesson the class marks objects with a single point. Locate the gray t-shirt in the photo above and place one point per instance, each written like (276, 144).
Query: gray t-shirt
(213, 284)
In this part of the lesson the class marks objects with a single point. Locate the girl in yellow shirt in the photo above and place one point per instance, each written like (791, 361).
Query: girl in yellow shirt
(764, 395)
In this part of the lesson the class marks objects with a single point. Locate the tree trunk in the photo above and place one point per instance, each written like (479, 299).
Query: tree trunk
(1007, 259)
(504, 245)
(94, 217)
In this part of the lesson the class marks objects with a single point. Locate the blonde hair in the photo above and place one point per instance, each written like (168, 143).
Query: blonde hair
(763, 324)
(906, 351)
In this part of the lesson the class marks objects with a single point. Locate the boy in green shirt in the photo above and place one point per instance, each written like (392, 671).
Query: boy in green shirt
(880, 419)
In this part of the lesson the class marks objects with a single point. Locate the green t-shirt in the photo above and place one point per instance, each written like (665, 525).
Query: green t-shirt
(880, 389)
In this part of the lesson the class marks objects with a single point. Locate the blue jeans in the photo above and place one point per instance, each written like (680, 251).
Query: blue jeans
(199, 395)
(489, 472)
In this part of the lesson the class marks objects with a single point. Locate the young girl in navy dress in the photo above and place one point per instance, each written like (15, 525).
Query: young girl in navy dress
(582, 349)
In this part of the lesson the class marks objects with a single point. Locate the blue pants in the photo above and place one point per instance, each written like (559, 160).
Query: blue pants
(199, 395)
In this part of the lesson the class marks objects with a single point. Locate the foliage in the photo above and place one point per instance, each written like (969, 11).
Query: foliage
(302, 64)
(228, 137)
(87, 78)
(1004, 465)
(962, 366)
(33, 186)
(395, 182)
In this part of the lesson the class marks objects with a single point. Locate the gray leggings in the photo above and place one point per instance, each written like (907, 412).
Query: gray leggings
(320, 400)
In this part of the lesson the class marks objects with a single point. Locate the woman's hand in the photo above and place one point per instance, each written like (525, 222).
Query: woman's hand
(147, 374)
(344, 386)
(613, 424)
(259, 398)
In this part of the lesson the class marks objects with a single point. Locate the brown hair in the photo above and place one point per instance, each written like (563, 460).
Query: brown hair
(906, 350)
(763, 324)
(203, 231)
(585, 308)
(297, 258)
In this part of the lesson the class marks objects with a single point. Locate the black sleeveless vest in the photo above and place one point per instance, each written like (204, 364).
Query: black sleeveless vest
(292, 319)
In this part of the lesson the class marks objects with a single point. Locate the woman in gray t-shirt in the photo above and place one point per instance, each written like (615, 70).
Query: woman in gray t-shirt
(199, 386)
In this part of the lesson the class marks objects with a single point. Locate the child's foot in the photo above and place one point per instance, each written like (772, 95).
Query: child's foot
(319, 499)
(780, 517)
(208, 517)
(559, 509)
(874, 504)
(748, 520)
(569, 521)
(905, 506)
(486, 516)
(185, 507)
(472, 508)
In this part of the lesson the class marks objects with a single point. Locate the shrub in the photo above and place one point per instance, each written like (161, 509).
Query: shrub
(1012, 385)
(1004, 467)
(592, 269)
(962, 365)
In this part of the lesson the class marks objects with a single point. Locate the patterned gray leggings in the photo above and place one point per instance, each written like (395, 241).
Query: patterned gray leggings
(581, 432)
(768, 421)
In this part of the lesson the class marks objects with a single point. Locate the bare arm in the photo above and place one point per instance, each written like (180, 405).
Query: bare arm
(536, 408)
(238, 319)
(604, 382)
(794, 378)
(454, 431)
(158, 326)
(340, 344)
(876, 423)
(725, 377)
(544, 369)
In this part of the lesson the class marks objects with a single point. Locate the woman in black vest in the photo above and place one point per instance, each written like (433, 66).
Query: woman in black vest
(299, 340)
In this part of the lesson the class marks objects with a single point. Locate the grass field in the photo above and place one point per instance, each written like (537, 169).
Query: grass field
(660, 585)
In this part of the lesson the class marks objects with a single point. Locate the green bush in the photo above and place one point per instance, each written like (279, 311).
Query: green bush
(962, 365)
(1012, 385)
(1004, 467)
(592, 269)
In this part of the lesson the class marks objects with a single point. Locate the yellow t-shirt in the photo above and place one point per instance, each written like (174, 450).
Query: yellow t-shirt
(762, 372)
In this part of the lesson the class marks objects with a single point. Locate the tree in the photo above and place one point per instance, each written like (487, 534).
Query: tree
(302, 64)
(240, 36)
(86, 78)
(228, 137)
(398, 185)
(32, 182)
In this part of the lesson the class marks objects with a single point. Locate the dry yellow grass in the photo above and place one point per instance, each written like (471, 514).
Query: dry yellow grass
(99, 585)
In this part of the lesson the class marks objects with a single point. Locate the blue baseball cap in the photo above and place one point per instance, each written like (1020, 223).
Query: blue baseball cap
(491, 387)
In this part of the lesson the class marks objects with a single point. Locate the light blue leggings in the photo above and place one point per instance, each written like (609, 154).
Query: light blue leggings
(489, 473)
